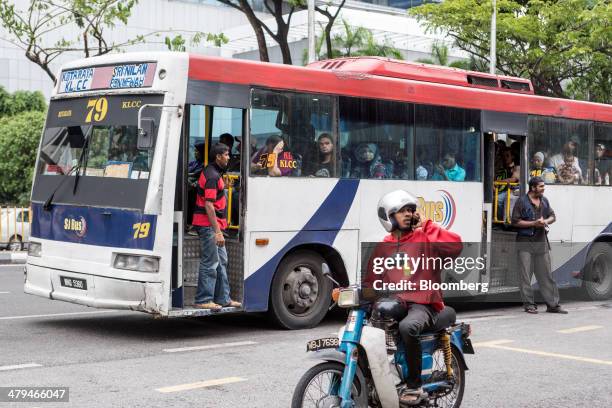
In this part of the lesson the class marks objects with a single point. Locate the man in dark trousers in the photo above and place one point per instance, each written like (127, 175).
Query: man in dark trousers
(210, 220)
(531, 216)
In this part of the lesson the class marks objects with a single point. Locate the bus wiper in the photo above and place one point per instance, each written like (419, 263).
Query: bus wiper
(82, 164)
(77, 168)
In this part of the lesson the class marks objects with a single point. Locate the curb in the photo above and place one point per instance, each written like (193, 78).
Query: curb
(13, 257)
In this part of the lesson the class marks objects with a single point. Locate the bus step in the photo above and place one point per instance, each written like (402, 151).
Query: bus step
(495, 290)
(193, 312)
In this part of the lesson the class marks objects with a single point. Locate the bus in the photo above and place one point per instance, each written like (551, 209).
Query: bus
(113, 196)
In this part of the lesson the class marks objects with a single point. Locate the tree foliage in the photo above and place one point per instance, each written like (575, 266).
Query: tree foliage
(20, 101)
(562, 46)
(19, 137)
(354, 42)
(282, 11)
(440, 56)
(93, 20)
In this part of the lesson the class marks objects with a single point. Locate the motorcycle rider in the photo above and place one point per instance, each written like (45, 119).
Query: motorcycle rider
(413, 236)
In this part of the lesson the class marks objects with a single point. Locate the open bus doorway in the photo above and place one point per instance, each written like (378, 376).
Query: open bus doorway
(205, 126)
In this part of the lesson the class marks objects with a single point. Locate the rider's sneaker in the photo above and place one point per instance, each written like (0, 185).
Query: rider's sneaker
(411, 396)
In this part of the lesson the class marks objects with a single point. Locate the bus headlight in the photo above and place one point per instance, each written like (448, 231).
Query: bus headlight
(34, 249)
(136, 263)
(349, 297)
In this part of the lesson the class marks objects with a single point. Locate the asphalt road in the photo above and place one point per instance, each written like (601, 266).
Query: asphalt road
(129, 359)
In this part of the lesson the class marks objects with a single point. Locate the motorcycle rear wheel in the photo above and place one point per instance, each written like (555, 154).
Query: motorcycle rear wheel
(312, 391)
(453, 398)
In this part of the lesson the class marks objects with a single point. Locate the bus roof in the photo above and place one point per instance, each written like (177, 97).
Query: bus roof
(375, 77)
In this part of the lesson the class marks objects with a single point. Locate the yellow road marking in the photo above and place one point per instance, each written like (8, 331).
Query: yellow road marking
(201, 384)
(499, 344)
(579, 329)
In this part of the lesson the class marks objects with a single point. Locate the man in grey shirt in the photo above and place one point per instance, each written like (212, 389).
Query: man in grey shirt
(531, 216)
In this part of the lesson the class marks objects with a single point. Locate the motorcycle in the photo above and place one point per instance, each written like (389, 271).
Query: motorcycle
(365, 366)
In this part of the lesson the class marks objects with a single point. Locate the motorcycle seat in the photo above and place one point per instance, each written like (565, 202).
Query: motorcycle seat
(445, 318)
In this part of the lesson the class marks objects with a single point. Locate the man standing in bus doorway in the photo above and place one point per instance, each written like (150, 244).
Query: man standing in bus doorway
(532, 215)
(210, 220)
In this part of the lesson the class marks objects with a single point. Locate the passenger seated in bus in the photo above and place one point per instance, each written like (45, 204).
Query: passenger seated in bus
(448, 169)
(325, 165)
(603, 167)
(548, 174)
(234, 163)
(369, 164)
(508, 173)
(273, 160)
(569, 171)
(559, 158)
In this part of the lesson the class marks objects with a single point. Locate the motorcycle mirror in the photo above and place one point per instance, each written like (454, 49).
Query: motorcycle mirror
(327, 273)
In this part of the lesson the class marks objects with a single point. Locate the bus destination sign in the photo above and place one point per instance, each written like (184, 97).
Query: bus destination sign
(108, 77)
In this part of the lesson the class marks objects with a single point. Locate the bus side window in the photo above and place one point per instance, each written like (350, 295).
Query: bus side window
(286, 129)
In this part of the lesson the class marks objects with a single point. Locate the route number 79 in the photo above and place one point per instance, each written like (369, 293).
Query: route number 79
(141, 229)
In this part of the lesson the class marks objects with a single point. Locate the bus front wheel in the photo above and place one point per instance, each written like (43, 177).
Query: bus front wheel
(300, 294)
(598, 277)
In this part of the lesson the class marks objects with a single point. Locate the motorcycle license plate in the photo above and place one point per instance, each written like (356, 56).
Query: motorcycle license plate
(325, 343)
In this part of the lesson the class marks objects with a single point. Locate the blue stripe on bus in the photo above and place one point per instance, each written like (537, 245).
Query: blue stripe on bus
(321, 228)
(108, 227)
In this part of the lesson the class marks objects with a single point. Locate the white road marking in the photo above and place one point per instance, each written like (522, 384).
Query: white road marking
(579, 329)
(210, 346)
(468, 319)
(56, 315)
(201, 384)
(19, 366)
(499, 344)
(4, 293)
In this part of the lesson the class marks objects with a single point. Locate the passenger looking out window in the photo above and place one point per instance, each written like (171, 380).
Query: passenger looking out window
(325, 165)
(569, 171)
(602, 166)
(448, 169)
(368, 163)
(548, 174)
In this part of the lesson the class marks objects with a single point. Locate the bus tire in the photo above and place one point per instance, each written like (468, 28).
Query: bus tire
(300, 294)
(597, 281)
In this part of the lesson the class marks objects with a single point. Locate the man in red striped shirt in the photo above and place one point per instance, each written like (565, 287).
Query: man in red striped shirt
(209, 218)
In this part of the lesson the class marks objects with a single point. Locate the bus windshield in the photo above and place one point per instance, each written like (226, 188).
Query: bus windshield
(100, 136)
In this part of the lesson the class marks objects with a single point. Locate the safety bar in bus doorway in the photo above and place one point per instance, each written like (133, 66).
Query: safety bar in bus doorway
(507, 208)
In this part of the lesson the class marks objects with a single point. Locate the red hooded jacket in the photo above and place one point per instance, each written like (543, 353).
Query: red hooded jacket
(429, 242)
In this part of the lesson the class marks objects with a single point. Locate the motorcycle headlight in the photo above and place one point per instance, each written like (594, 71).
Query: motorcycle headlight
(137, 263)
(34, 249)
(349, 297)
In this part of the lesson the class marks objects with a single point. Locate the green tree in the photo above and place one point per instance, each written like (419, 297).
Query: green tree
(30, 26)
(19, 137)
(440, 56)
(554, 43)
(20, 101)
(354, 42)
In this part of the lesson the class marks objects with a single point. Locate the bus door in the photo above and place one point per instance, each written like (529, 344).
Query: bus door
(204, 126)
(505, 148)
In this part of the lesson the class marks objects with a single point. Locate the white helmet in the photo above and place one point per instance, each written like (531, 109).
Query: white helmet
(391, 203)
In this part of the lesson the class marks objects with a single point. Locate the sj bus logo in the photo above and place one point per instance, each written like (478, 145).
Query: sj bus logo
(77, 225)
(442, 211)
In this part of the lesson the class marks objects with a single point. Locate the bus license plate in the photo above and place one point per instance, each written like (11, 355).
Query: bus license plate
(73, 283)
(325, 343)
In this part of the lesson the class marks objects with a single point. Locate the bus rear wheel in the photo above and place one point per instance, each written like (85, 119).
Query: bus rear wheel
(300, 294)
(598, 276)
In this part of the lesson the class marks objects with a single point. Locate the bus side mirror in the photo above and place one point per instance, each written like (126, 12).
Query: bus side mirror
(146, 131)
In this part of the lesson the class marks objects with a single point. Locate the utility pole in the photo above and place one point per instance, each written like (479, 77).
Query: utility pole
(311, 31)
(493, 57)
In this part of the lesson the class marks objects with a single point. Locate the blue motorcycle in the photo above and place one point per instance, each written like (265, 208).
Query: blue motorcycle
(365, 366)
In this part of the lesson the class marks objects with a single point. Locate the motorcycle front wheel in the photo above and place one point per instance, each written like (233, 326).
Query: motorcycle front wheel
(319, 386)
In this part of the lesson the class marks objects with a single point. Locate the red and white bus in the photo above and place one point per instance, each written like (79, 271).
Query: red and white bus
(111, 202)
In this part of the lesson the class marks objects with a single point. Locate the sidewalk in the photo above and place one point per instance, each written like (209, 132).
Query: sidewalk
(7, 257)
